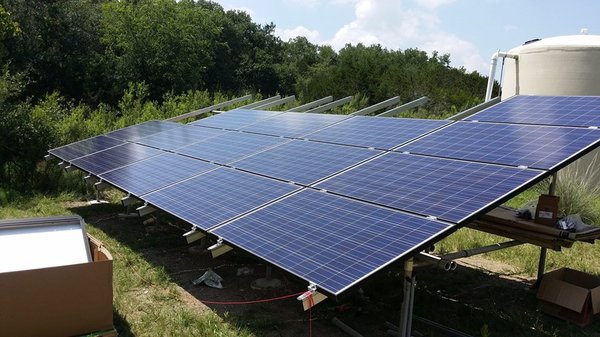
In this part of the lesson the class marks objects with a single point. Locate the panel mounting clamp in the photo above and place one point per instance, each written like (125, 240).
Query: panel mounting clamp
(219, 248)
(311, 297)
(193, 235)
(145, 209)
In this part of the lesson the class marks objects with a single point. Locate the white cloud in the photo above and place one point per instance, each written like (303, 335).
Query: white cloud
(462, 53)
(306, 3)
(394, 26)
(433, 4)
(286, 34)
(248, 10)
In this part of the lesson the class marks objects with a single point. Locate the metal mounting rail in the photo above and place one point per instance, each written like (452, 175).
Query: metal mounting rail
(275, 103)
(377, 106)
(331, 105)
(209, 109)
(312, 104)
(475, 109)
(410, 105)
(261, 102)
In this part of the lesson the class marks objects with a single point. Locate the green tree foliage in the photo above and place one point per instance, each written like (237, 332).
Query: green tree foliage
(167, 44)
(57, 45)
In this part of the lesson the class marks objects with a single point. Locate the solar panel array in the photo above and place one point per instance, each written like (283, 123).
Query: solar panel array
(235, 119)
(545, 110)
(331, 198)
(382, 133)
(543, 147)
(325, 238)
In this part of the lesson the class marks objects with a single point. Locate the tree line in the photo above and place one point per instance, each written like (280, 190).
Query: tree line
(70, 69)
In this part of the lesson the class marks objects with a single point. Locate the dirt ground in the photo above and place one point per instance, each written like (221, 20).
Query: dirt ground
(481, 297)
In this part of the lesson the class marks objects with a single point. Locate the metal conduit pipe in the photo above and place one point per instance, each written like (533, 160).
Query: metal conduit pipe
(481, 250)
(345, 328)
(445, 264)
(492, 75)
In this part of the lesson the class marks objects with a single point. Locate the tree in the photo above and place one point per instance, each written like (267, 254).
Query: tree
(167, 44)
(56, 45)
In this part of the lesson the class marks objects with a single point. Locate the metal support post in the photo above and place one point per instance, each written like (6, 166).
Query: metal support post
(544, 250)
(407, 301)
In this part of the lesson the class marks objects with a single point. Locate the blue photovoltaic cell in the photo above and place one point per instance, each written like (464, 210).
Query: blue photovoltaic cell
(329, 240)
(235, 119)
(444, 188)
(534, 146)
(84, 147)
(382, 132)
(142, 130)
(103, 161)
(217, 196)
(178, 137)
(293, 124)
(230, 147)
(544, 110)
(303, 161)
(155, 172)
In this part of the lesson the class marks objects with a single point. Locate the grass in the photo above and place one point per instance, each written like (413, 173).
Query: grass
(146, 302)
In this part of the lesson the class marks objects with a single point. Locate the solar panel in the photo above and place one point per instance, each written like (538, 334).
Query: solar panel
(230, 147)
(444, 188)
(217, 196)
(332, 241)
(235, 119)
(84, 147)
(293, 124)
(142, 130)
(542, 147)
(178, 137)
(382, 133)
(155, 172)
(110, 159)
(544, 110)
(304, 162)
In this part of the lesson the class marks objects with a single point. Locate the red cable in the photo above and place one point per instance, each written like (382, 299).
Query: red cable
(310, 305)
(256, 301)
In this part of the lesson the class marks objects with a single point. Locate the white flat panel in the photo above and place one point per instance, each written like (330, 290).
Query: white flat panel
(33, 247)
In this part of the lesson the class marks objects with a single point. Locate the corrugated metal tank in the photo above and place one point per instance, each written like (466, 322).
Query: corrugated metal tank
(562, 65)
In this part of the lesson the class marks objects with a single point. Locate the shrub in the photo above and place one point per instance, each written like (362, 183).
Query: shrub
(579, 190)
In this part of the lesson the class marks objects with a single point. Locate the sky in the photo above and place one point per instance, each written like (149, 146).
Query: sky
(469, 30)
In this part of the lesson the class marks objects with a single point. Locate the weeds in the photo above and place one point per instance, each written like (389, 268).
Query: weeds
(578, 189)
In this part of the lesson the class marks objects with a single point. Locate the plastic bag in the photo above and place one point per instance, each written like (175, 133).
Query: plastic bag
(571, 223)
(210, 278)
(527, 211)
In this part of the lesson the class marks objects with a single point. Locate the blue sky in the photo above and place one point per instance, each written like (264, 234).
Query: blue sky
(469, 30)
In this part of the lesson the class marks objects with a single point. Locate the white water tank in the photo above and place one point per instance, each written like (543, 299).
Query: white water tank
(562, 65)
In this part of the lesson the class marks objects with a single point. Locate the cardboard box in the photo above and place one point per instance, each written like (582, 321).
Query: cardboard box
(571, 295)
(59, 301)
(547, 210)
